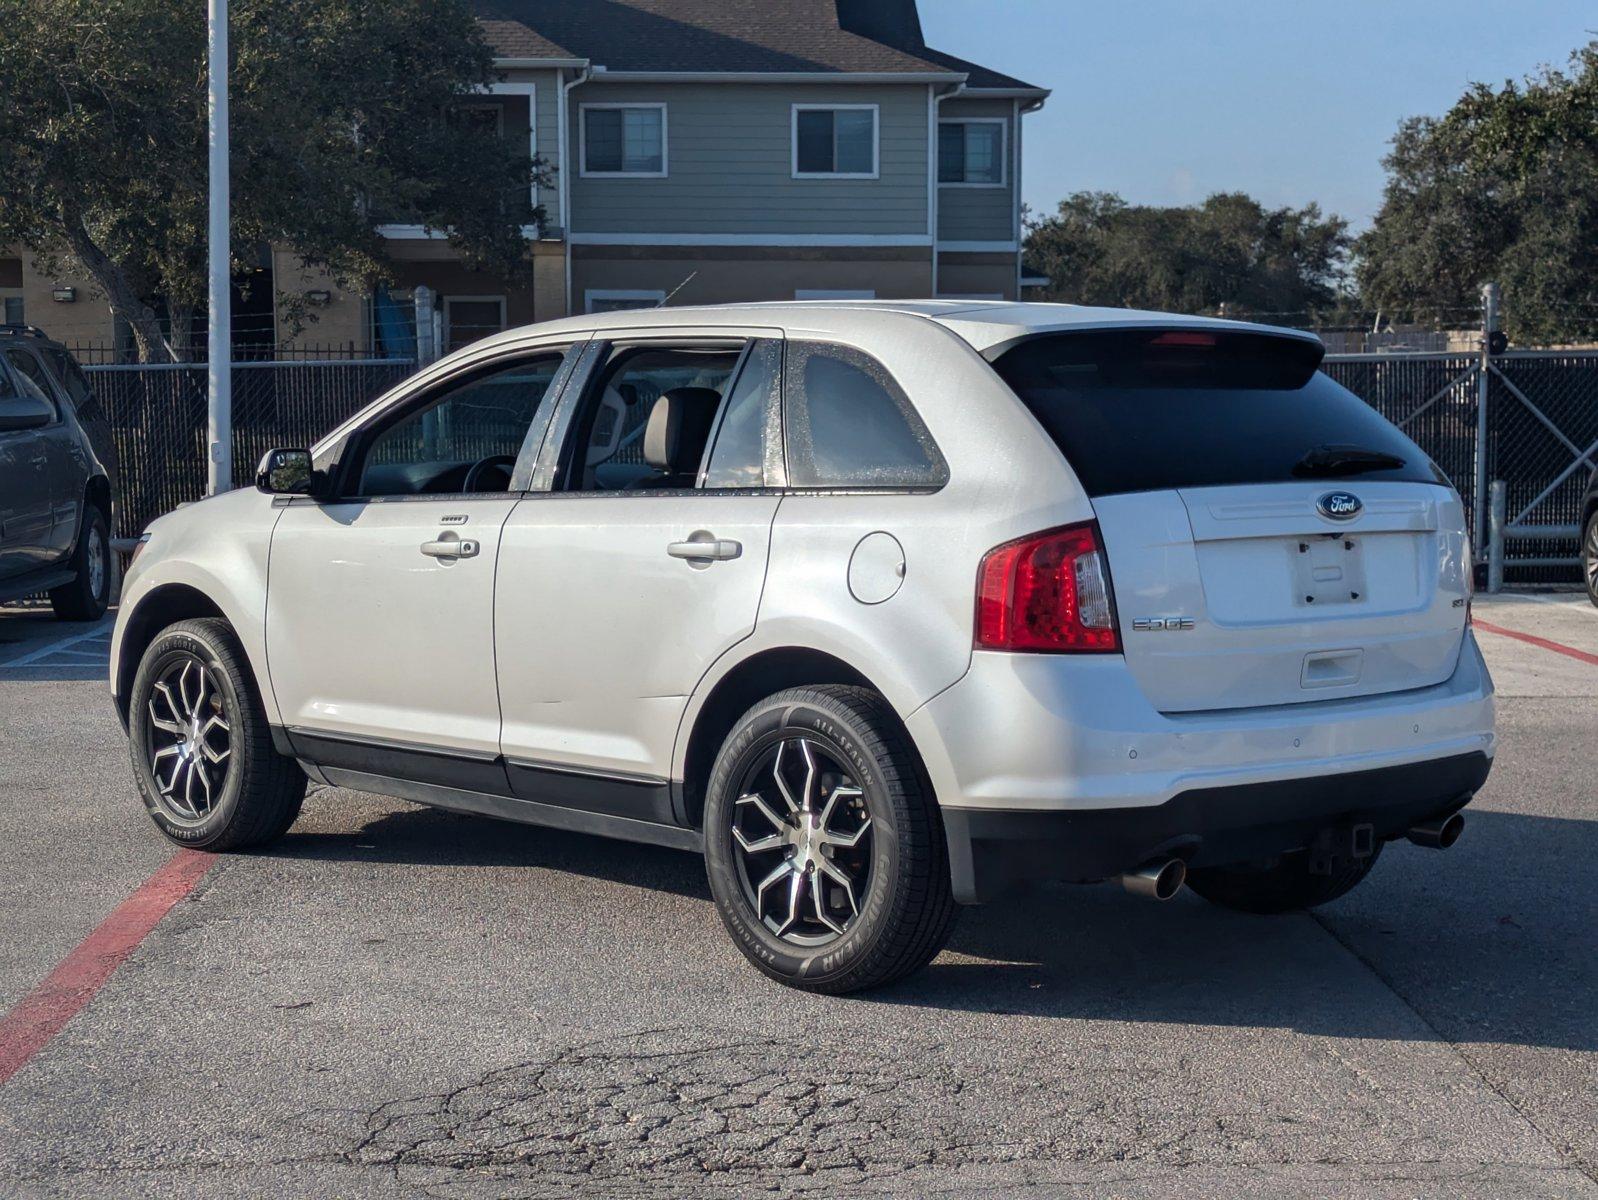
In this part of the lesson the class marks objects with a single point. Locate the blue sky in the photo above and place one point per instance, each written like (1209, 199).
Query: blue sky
(1167, 101)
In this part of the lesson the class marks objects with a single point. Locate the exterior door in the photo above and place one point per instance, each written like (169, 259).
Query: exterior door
(65, 462)
(616, 593)
(380, 623)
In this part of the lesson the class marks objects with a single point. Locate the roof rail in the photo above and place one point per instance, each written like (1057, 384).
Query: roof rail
(24, 330)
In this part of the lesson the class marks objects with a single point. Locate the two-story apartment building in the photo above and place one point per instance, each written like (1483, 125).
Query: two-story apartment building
(720, 150)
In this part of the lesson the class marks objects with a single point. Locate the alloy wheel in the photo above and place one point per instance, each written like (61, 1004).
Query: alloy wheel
(801, 834)
(97, 557)
(1591, 555)
(189, 741)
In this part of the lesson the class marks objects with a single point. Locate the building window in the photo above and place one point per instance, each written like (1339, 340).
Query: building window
(971, 153)
(624, 139)
(835, 141)
(601, 300)
(468, 318)
(13, 310)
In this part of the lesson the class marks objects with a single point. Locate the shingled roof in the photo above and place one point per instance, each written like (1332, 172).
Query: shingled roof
(787, 36)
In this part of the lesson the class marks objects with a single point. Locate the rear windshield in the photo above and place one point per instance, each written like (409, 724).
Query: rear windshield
(1141, 410)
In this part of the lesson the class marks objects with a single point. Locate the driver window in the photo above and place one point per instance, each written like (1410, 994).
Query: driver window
(465, 440)
(649, 417)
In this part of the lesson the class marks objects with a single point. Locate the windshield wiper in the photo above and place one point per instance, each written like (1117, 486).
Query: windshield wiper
(1344, 460)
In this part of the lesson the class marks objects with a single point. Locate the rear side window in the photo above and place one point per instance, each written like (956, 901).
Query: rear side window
(738, 457)
(847, 424)
(1144, 410)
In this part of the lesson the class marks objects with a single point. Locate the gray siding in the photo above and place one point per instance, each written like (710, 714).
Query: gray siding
(967, 214)
(546, 112)
(729, 149)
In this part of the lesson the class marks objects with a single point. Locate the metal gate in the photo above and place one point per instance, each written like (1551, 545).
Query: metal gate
(1526, 420)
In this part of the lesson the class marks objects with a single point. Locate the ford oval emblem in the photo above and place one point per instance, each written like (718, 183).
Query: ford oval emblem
(1339, 506)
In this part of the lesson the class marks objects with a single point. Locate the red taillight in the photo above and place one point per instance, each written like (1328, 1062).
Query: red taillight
(1048, 592)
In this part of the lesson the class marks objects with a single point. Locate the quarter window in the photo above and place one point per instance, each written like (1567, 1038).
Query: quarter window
(835, 141)
(847, 424)
(971, 152)
(72, 376)
(624, 139)
(465, 440)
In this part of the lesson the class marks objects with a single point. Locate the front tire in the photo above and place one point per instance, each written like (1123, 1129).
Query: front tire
(202, 750)
(824, 845)
(88, 595)
(1283, 885)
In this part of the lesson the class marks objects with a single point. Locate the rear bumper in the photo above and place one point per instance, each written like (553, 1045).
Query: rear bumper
(992, 851)
(1044, 732)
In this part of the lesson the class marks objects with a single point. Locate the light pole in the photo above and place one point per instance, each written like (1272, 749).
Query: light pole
(219, 349)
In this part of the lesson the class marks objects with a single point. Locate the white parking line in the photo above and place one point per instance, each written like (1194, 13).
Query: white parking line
(34, 656)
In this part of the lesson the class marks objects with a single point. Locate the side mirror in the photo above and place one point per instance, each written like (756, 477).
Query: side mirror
(288, 473)
(24, 412)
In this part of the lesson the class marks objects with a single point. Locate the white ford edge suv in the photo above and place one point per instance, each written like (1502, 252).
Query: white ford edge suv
(885, 608)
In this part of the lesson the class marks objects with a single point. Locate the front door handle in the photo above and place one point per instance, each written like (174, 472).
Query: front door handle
(451, 545)
(705, 547)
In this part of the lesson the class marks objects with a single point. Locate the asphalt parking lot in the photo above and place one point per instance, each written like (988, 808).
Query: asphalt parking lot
(396, 1001)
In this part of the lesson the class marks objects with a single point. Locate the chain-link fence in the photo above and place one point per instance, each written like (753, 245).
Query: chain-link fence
(1541, 429)
(157, 415)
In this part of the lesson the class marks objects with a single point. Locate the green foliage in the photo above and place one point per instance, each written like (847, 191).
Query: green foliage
(1504, 187)
(1230, 251)
(342, 117)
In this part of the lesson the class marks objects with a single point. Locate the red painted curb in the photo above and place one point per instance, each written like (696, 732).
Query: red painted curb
(1556, 647)
(44, 1012)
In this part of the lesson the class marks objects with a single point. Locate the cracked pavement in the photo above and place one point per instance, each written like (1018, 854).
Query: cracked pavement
(400, 1002)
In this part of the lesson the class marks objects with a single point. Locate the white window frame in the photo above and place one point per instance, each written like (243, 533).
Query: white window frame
(449, 300)
(1004, 151)
(876, 141)
(834, 294)
(582, 142)
(592, 294)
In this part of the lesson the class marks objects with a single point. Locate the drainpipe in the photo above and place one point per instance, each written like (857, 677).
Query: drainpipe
(565, 173)
(1021, 112)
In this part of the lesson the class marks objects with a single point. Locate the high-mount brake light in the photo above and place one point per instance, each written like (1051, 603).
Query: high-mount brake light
(1185, 337)
(1048, 592)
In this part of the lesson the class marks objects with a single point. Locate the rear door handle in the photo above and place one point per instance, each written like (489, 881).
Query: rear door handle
(451, 546)
(705, 547)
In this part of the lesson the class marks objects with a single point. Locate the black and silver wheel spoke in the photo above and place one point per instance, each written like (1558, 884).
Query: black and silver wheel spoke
(96, 556)
(801, 832)
(189, 740)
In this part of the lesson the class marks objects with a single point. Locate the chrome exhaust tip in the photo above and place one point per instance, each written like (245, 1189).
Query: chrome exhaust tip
(1439, 834)
(1158, 880)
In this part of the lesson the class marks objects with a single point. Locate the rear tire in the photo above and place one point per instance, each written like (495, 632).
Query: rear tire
(202, 749)
(1283, 886)
(852, 889)
(1589, 557)
(89, 593)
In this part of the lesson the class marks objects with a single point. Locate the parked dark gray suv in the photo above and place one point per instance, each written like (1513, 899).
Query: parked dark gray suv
(57, 479)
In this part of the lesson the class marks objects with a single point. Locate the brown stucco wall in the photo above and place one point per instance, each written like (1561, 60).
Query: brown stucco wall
(976, 275)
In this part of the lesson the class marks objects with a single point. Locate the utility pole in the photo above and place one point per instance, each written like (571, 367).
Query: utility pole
(219, 341)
